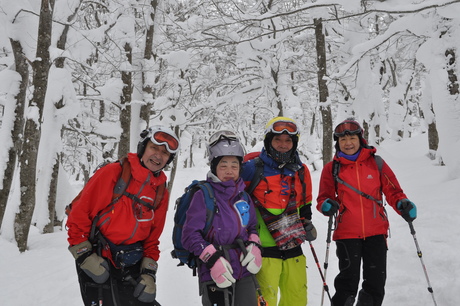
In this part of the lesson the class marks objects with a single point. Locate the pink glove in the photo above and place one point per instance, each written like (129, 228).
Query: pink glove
(253, 258)
(221, 270)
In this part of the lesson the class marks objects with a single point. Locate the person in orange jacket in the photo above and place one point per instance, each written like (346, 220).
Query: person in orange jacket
(354, 195)
(283, 201)
(115, 242)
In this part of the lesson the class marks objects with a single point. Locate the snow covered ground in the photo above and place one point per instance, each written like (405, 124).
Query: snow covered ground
(45, 274)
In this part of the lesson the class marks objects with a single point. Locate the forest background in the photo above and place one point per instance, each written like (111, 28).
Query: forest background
(80, 79)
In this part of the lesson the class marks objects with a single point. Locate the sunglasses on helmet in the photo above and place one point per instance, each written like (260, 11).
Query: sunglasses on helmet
(279, 127)
(347, 128)
(222, 135)
(163, 138)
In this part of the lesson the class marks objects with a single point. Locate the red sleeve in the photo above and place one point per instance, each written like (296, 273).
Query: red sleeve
(391, 188)
(308, 186)
(95, 196)
(151, 244)
(326, 186)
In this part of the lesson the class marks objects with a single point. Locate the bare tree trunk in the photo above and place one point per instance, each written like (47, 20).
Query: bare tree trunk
(174, 166)
(23, 70)
(453, 81)
(49, 228)
(149, 54)
(326, 114)
(28, 156)
(125, 112)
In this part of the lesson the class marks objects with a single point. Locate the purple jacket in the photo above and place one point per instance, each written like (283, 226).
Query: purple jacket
(227, 225)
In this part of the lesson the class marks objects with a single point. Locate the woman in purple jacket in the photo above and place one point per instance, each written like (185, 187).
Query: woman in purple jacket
(229, 253)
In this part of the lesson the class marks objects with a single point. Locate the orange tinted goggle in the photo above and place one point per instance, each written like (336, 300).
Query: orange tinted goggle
(279, 127)
(347, 128)
(161, 138)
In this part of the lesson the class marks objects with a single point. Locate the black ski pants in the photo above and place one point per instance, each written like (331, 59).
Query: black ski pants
(372, 252)
(242, 293)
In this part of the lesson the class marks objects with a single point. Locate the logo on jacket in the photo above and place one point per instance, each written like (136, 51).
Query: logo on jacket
(370, 177)
(242, 207)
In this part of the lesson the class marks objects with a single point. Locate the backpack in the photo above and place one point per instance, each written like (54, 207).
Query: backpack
(120, 187)
(181, 207)
(337, 179)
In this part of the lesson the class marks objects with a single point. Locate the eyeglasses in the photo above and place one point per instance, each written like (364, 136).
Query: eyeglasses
(279, 127)
(347, 128)
(222, 135)
(163, 138)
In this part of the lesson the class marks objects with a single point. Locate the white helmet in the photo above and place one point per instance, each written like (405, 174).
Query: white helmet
(224, 143)
(159, 135)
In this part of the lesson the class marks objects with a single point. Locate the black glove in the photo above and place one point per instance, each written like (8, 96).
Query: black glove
(310, 230)
(329, 207)
(408, 210)
(145, 291)
(93, 265)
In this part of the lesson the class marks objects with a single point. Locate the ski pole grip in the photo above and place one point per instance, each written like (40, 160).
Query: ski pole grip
(411, 226)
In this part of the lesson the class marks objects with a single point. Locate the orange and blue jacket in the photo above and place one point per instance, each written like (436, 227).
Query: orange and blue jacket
(358, 216)
(274, 192)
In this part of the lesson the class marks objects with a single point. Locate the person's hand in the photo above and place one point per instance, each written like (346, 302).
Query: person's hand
(408, 210)
(253, 259)
(221, 270)
(145, 290)
(310, 230)
(93, 265)
(329, 207)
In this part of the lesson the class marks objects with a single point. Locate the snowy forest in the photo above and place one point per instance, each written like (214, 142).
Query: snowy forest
(80, 79)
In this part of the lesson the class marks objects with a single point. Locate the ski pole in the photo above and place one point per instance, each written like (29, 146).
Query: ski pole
(326, 260)
(325, 287)
(261, 301)
(419, 253)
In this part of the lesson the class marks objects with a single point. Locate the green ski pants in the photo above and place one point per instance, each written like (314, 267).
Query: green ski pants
(289, 275)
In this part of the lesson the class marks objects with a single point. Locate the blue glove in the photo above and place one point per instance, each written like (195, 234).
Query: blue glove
(408, 210)
(329, 207)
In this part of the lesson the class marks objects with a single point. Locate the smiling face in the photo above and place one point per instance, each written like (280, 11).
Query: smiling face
(282, 143)
(228, 168)
(349, 144)
(155, 156)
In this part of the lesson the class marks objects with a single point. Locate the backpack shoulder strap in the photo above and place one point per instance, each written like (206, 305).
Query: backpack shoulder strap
(379, 162)
(337, 179)
(123, 180)
(258, 175)
(301, 174)
(211, 205)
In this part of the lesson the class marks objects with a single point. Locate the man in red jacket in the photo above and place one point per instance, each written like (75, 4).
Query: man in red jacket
(355, 193)
(115, 242)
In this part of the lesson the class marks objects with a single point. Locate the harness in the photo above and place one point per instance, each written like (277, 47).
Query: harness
(335, 174)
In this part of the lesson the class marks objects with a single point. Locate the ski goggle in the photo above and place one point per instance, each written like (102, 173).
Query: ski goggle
(222, 135)
(347, 128)
(163, 138)
(279, 127)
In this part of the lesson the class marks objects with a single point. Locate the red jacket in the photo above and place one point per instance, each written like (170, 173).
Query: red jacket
(360, 217)
(118, 222)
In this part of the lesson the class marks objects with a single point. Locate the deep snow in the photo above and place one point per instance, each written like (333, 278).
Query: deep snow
(45, 274)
